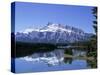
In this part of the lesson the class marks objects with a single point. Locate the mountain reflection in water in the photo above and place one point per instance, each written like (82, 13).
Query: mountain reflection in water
(51, 61)
(55, 57)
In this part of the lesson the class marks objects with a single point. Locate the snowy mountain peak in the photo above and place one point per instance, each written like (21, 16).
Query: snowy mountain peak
(52, 33)
(51, 27)
(55, 28)
(29, 30)
(56, 25)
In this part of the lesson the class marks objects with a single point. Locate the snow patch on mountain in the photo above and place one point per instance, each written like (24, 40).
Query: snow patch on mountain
(52, 33)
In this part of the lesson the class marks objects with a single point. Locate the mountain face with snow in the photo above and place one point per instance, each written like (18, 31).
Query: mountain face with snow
(52, 33)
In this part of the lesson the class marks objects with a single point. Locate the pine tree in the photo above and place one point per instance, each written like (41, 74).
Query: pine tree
(94, 12)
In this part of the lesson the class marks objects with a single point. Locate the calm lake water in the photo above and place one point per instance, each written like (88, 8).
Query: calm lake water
(51, 61)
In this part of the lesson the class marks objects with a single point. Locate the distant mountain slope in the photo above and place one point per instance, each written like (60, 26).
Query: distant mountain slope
(52, 33)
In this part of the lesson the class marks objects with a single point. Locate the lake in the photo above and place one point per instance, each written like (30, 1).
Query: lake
(52, 61)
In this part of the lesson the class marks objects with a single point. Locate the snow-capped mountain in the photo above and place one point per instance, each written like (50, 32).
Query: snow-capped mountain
(52, 33)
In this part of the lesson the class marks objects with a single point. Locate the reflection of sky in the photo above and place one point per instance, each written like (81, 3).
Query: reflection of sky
(31, 15)
(24, 66)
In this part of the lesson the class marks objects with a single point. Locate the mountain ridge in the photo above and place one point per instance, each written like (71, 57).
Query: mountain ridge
(52, 33)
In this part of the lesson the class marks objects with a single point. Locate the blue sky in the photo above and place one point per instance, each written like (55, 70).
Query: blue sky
(35, 15)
